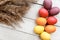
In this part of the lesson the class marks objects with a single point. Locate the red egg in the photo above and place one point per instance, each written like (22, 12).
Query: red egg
(43, 12)
(52, 20)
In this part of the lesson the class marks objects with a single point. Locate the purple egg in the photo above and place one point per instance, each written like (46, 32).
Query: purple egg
(54, 11)
(47, 4)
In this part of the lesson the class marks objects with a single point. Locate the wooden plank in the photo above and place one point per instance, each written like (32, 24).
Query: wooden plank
(8, 34)
(33, 12)
(58, 19)
(27, 26)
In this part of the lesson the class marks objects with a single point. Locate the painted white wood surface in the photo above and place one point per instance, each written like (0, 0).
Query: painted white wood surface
(26, 30)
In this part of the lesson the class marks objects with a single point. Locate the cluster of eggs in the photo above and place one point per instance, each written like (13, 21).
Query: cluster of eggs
(46, 20)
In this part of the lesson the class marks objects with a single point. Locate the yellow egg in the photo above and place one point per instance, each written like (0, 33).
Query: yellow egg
(38, 29)
(49, 39)
(45, 36)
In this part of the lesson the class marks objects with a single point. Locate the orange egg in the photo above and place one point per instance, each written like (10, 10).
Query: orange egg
(50, 28)
(41, 21)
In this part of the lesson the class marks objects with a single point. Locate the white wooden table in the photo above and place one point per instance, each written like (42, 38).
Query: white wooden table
(26, 32)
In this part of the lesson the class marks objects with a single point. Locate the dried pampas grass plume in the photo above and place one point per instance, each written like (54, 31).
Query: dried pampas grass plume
(11, 11)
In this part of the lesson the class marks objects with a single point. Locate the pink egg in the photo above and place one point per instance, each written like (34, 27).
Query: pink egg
(54, 11)
(47, 4)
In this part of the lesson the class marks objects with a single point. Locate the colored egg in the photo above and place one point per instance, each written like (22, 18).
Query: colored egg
(43, 12)
(49, 39)
(47, 4)
(54, 11)
(51, 20)
(41, 21)
(38, 29)
(50, 28)
(45, 36)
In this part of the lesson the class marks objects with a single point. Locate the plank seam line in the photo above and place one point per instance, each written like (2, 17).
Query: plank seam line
(18, 31)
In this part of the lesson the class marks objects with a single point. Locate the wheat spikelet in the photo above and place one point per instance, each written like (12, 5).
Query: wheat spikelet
(11, 11)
